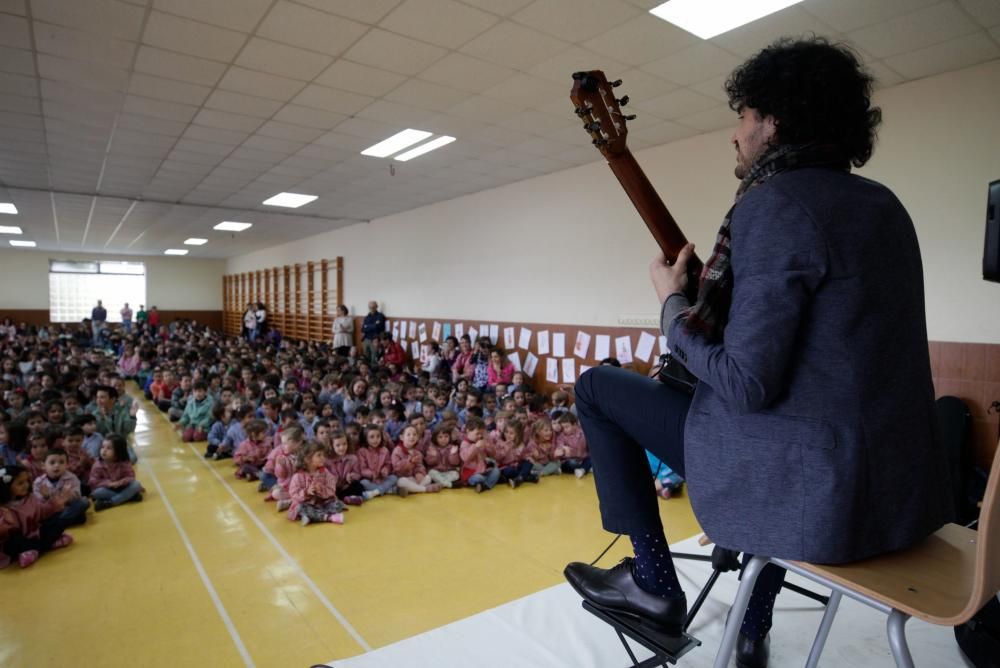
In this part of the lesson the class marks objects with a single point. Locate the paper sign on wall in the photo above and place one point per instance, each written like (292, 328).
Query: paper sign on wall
(543, 342)
(494, 333)
(423, 331)
(584, 369)
(459, 329)
(623, 349)
(569, 370)
(508, 338)
(473, 334)
(663, 346)
(524, 342)
(552, 370)
(559, 344)
(424, 352)
(644, 348)
(387, 325)
(446, 331)
(515, 359)
(582, 346)
(484, 330)
(413, 330)
(530, 364)
(415, 347)
(395, 331)
(436, 332)
(602, 347)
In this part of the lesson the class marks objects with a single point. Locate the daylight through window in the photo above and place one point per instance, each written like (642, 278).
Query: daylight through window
(75, 287)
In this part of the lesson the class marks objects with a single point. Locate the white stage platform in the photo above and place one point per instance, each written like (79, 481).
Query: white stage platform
(549, 629)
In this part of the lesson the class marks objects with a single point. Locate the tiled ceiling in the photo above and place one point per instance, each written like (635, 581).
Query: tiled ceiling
(129, 125)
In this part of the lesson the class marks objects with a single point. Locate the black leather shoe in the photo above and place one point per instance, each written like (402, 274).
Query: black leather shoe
(616, 589)
(752, 653)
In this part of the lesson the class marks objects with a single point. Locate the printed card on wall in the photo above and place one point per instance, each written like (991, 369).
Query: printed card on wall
(623, 349)
(424, 352)
(413, 330)
(602, 347)
(415, 347)
(494, 333)
(436, 332)
(584, 369)
(582, 346)
(508, 338)
(395, 331)
(484, 330)
(559, 344)
(459, 329)
(664, 350)
(473, 334)
(543, 342)
(524, 341)
(552, 370)
(387, 325)
(446, 331)
(644, 348)
(515, 359)
(423, 331)
(569, 370)
(530, 364)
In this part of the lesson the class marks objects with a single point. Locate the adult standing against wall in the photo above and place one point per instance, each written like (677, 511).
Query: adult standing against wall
(154, 318)
(261, 314)
(126, 314)
(98, 316)
(141, 318)
(343, 331)
(373, 325)
(250, 322)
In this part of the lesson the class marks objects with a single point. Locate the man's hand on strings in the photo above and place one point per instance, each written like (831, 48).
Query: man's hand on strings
(668, 277)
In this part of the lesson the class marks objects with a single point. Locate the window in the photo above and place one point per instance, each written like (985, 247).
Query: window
(75, 287)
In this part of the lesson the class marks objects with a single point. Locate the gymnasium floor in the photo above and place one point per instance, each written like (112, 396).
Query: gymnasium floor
(203, 572)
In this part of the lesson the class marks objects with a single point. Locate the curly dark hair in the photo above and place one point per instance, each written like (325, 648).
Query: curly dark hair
(816, 91)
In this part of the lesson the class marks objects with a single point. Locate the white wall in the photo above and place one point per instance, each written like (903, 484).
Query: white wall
(171, 283)
(569, 248)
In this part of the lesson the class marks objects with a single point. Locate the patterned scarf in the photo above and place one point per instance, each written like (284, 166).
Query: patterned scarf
(710, 313)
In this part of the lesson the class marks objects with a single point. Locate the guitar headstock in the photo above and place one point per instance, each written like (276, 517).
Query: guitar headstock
(600, 111)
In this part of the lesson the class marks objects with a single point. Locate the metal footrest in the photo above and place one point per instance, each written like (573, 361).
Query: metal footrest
(665, 648)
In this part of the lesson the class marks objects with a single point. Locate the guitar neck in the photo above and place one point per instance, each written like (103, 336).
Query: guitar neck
(654, 213)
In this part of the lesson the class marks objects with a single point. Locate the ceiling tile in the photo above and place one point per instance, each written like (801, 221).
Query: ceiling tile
(485, 109)
(791, 21)
(394, 52)
(884, 75)
(986, 12)
(513, 45)
(287, 61)
(918, 29)
(288, 132)
(19, 104)
(527, 91)
(239, 103)
(662, 133)
(167, 89)
(159, 109)
(951, 55)
(18, 84)
(310, 118)
(105, 17)
(13, 7)
(367, 128)
(260, 84)
(424, 19)
(18, 61)
(399, 115)
(232, 138)
(14, 31)
(708, 120)
(640, 40)
(847, 15)
(345, 75)
(79, 45)
(226, 120)
(240, 15)
(501, 7)
(192, 38)
(575, 20)
(676, 103)
(203, 148)
(329, 99)
(531, 122)
(458, 70)
(87, 75)
(271, 144)
(366, 11)
(427, 95)
(310, 29)
(714, 88)
(178, 66)
(694, 64)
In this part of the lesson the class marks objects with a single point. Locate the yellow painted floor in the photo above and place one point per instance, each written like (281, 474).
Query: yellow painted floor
(203, 572)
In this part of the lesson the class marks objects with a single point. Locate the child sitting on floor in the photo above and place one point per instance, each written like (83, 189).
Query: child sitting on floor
(222, 416)
(347, 469)
(442, 457)
(280, 467)
(252, 453)
(376, 464)
(29, 525)
(313, 489)
(476, 469)
(408, 464)
(196, 419)
(59, 482)
(112, 479)
(540, 448)
(571, 445)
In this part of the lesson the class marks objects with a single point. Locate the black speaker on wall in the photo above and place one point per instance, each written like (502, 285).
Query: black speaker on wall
(991, 248)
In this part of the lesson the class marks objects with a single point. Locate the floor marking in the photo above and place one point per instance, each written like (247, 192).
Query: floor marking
(288, 557)
(226, 619)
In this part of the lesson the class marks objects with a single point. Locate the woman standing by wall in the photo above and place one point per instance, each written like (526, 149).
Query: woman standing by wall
(343, 331)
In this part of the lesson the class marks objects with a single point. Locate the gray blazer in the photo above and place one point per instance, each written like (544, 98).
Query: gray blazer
(812, 433)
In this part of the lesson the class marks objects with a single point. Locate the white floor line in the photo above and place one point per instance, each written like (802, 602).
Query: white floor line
(226, 619)
(288, 557)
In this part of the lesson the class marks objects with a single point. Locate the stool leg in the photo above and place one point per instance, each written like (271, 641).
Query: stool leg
(738, 610)
(824, 629)
(896, 629)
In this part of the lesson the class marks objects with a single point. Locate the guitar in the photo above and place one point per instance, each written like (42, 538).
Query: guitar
(603, 119)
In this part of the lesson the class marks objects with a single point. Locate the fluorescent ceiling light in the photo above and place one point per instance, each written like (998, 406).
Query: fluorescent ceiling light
(708, 18)
(25, 244)
(7, 207)
(396, 143)
(195, 241)
(424, 148)
(175, 251)
(290, 200)
(10, 229)
(232, 226)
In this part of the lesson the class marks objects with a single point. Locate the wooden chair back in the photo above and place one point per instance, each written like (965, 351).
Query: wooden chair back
(987, 577)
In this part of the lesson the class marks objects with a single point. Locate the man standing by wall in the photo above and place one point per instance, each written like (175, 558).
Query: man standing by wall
(126, 314)
(98, 316)
(373, 325)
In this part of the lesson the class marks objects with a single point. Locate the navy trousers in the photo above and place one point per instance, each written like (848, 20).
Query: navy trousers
(622, 414)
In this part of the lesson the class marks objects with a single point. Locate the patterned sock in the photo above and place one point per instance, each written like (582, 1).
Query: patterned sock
(757, 621)
(654, 569)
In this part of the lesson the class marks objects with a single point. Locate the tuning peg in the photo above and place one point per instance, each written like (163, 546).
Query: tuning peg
(616, 83)
(594, 127)
(630, 118)
(623, 101)
(599, 142)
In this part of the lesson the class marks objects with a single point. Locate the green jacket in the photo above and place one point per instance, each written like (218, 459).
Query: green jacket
(198, 413)
(119, 422)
